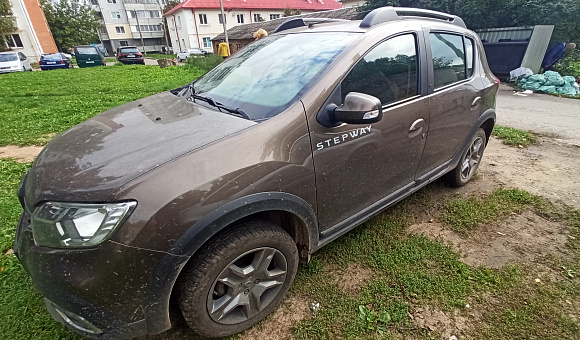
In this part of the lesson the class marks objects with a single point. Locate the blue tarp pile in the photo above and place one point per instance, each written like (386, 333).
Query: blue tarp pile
(550, 82)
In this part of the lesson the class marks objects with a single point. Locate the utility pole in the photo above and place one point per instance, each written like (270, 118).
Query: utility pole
(139, 29)
(224, 22)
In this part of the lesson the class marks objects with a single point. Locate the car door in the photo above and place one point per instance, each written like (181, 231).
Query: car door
(360, 167)
(24, 61)
(455, 99)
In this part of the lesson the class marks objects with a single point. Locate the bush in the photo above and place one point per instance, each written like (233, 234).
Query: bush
(205, 63)
(569, 65)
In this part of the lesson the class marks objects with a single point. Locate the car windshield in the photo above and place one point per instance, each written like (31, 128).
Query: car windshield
(8, 57)
(264, 78)
(130, 50)
(86, 50)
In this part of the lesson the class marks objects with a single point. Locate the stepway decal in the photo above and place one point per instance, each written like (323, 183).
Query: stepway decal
(347, 135)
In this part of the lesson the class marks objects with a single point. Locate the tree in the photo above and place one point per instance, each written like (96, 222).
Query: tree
(6, 24)
(72, 23)
(478, 14)
(289, 11)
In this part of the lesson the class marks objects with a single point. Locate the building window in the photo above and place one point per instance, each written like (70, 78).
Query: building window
(120, 29)
(116, 15)
(240, 18)
(258, 18)
(13, 41)
(95, 2)
(206, 42)
(221, 19)
(123, 43)
(274, 16)
(112, 1)
(103, 30)
(183, 41)
(178, 21)
(203, 19)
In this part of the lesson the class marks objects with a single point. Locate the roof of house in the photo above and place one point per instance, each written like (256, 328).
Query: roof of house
(247, 31)
(315, 5)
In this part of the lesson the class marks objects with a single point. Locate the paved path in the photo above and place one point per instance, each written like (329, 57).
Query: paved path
(539, 113)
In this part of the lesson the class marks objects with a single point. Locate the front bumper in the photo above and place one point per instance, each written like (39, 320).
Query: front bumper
(99, 292)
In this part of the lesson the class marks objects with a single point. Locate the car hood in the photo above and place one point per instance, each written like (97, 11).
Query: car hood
(88, 162)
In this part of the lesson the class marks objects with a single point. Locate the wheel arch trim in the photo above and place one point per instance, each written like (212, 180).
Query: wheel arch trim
(166, 274)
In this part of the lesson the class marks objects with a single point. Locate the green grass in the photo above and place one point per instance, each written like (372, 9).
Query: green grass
(466, 214)
(409, 271)
(36, 105)
(157, 56)
(204, 63)
(22, 309)
(514, 137)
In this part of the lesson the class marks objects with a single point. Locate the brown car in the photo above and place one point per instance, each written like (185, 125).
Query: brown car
(212, 193)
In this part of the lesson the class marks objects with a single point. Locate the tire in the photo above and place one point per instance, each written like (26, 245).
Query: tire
(269, 259)
(469, 161)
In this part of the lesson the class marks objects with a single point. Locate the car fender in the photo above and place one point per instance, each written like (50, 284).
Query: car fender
(166, 274)
(488, 114)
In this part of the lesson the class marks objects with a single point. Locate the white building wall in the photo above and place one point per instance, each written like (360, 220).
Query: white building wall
(30, 44)
(191, 28)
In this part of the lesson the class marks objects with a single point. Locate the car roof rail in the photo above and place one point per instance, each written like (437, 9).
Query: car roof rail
(299, 22)
(387, 14)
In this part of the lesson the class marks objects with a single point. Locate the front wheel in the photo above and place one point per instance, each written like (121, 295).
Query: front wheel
(470, 160)
(238, 279)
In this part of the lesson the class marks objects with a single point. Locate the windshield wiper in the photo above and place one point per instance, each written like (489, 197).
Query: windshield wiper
(218, 105)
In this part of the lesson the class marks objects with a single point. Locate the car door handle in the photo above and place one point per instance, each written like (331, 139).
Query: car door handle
(419, 123)
(476, 101)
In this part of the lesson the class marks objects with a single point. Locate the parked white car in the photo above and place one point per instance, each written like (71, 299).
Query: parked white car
(183, 55)
(14, 62)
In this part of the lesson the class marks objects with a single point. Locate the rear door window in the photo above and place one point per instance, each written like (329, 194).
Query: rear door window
(449, 59)
(388, 71)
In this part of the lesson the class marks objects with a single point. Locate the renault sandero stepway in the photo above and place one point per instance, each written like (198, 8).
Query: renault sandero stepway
(211, 194)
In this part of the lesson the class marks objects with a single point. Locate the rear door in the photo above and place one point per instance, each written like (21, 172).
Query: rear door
(454, 101)
(359, 166)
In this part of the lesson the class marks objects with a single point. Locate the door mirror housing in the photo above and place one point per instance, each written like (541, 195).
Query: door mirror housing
(359, 108)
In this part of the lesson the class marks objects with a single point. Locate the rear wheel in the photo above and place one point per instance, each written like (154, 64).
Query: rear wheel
(238, 279)
(470, 160)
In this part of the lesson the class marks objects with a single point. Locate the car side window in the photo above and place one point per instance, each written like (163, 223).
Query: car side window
(21, 56)
(448, 58)
(469, 56)
(388, 71)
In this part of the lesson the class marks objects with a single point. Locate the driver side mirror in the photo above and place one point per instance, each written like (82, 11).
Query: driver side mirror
(359, 108)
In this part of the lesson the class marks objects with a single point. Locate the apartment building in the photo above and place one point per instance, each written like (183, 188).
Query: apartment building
(131, 23)
(32, 36)
(193, 23)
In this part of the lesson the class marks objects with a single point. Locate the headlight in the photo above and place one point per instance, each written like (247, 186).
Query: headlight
(76, 225)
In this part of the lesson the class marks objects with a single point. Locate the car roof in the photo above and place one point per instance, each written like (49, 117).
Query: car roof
(376, 19)
(9, 52)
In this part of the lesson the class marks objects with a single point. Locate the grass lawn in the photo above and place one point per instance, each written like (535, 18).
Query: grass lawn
(160, 56)
(36, 105)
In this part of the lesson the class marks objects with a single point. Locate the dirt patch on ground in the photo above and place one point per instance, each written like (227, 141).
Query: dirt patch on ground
(23, 154)
(279, 324)
(521, 238)
(351, 278)
(549, 169)
(445, 324)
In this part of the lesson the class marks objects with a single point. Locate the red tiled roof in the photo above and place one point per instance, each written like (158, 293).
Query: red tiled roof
(315, 5)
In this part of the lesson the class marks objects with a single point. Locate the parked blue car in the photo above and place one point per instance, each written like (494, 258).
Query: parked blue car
(54, 61)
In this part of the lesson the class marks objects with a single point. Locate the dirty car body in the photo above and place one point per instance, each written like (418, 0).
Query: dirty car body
(127, 209)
